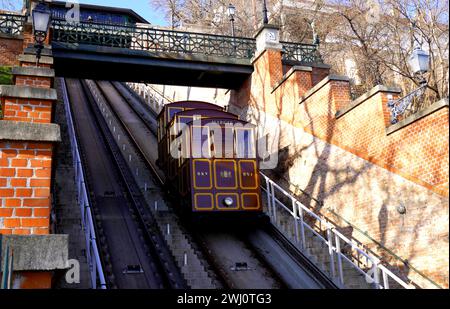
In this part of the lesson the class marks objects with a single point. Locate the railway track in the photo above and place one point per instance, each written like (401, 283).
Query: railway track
(188, 255)
(133, 253)
(238, 262)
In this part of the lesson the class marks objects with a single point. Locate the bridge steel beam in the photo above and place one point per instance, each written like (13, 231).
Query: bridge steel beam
(110, 63)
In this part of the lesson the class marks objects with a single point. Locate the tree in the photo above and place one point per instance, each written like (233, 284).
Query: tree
(425, 23)
(171, 8)
(378, 36)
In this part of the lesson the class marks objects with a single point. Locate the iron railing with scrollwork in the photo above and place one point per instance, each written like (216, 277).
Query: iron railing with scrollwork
(158, 40)
(305, 53)
(12, 24)
(407, 105)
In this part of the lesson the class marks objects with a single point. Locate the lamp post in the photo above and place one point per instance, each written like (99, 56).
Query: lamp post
(231, 12)
(265, 16)
(419, 64)
(41, 23)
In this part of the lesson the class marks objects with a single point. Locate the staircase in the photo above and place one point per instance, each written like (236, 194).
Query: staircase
(195, 273)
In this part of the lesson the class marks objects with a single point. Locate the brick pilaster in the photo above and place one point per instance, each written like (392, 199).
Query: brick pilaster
(27, 141)
(25, 165)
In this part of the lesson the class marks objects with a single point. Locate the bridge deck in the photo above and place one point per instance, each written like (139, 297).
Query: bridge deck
(122, 64)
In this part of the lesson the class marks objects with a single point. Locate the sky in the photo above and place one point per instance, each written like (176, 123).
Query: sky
(141, 7)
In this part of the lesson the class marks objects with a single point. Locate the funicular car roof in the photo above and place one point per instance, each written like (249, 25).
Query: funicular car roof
(205, 121)
(191, 104)
(207, 113)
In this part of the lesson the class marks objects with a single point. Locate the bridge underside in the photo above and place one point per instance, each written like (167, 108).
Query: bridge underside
(110, 63)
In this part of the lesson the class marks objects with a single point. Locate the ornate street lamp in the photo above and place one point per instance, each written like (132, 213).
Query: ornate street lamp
(419, 64)
(231, 12)
(41, 23)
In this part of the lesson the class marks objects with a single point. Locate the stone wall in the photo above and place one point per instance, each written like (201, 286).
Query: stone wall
(344, 156)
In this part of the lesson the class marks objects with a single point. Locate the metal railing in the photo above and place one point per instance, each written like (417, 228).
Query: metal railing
(305, 53)
(299, 224)
(296, 220)
(153, 98)
(407, 105)
(158, 40)
(12, 24)
(92, 253)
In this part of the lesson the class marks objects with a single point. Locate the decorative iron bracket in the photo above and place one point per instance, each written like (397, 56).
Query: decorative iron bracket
(399, 106)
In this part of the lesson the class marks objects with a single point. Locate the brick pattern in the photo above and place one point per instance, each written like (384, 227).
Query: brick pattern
(10, 49)
(418, 152)
(25, 175)
(26, 167)
(33, 81)
(318, 74)
(37, 111)
(352, 166)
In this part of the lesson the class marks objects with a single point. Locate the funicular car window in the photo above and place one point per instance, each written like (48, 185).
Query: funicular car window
(182, 122)
(245, 144)
(228, 144)
(172, 111)
(200, 142)
(185, 148)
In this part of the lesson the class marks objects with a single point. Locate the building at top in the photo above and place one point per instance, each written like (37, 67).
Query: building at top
(98, 14)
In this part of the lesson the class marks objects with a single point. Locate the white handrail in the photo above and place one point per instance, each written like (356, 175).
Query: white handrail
(333, 240)
(93, 256)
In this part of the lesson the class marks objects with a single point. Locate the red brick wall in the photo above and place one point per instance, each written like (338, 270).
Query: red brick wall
(10, 49)
(418, 152)
(25, 172)
(27, 110)
(25, 169)
(33, 81)
(410, 152)
(352, 166)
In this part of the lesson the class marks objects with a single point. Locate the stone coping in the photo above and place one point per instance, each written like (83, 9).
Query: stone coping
(419, 115)
(33, 71)
(30, 50)
(11, 37)
(29, 131)
(36, 252)
(27, 92)
(289, 73)
(321, 84)
(265, 26)
(366, 96)
(317, 65)
(32, 59)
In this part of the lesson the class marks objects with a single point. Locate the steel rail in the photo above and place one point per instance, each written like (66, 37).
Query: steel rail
(199, 240)
(288, 248)
(153, 170)
(92, 252)
(332, 239)
(171, 273)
